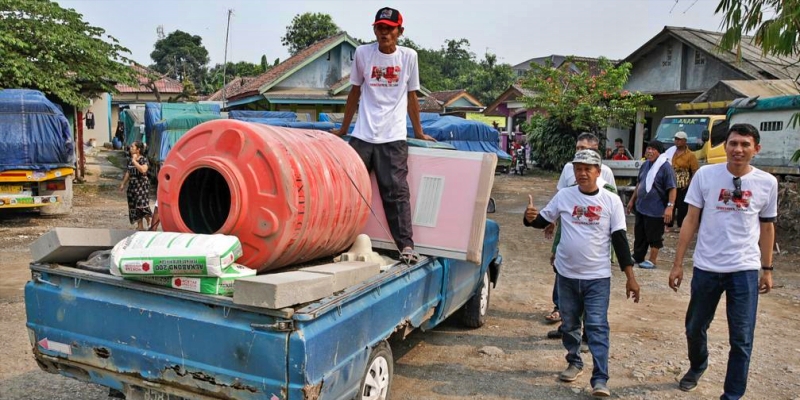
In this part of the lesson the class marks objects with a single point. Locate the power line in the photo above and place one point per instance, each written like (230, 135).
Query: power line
(673, 6)
(692, 5)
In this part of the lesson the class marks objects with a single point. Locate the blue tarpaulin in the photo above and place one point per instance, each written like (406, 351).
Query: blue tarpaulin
(154, 112)
(34, 133)
(167, 132)
(462, 134)
(772, 103)
(245, 114)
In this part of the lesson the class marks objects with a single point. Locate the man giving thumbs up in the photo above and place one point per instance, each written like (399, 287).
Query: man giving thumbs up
(591, 219)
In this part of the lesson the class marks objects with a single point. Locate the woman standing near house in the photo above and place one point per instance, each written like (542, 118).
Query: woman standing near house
(138, 186)
(685, 165)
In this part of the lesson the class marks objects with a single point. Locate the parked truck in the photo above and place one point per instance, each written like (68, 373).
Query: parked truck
(37, 153)
(153, 342)
(773, 117)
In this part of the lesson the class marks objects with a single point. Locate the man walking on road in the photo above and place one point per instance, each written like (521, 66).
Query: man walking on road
(654, 200)
(592, 220)
(567, 179)
(385, 80)
(739, 205)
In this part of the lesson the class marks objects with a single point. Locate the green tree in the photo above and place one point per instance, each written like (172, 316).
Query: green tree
(589, 100)
(181, 56)
(488, 80)
(776, 24)
(49, 48)
(306, 29)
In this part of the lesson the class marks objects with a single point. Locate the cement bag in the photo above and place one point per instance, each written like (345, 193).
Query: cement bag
(222, 285)
(174, 254)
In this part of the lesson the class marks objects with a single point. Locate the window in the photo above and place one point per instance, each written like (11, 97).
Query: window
(699, 58)
(768, 126)
(719, 132)
(668, 58)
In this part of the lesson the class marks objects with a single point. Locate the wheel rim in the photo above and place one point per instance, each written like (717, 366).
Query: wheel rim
(376, 384)
(485, 294)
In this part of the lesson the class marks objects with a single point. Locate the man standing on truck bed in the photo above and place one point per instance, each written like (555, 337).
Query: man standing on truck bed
(592, 220)
(387, 76)
(739, 205)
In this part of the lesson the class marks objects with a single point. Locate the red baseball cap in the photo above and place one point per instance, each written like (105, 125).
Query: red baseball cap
(388, 16)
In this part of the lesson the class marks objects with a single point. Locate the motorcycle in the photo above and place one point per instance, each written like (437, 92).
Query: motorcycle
(518, 163)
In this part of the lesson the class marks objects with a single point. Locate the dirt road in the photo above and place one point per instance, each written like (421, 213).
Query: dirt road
(647, 342)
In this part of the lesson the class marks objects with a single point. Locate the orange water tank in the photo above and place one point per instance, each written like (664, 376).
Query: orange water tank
(289, 195)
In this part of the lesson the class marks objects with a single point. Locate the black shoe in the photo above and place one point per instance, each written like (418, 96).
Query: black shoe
(555, 334)
(689, 381)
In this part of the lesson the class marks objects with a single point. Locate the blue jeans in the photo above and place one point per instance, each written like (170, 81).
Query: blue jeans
(588, 298)
(741, 297)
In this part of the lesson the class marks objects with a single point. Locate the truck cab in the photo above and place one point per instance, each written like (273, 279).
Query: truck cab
(706, 134)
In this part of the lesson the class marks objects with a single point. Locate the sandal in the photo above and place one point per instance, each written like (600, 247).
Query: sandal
(554, 316)
(409, 256)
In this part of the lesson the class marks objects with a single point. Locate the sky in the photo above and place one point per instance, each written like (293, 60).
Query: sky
(514, 30)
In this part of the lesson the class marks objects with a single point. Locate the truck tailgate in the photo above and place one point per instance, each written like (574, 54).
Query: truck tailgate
(114, 332)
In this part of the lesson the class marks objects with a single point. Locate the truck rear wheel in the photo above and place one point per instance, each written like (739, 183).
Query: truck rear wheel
(474, 311)
(377, 379)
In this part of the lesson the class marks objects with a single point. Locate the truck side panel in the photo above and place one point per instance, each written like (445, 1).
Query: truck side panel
(463, 277)
(328, 355)
(202, 348)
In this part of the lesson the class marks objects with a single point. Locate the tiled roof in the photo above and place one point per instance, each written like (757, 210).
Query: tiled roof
(251, 88)
(231, 87)
(431, 105)
(164, 84)
(753, 63)
(446, 95)
(340, 83)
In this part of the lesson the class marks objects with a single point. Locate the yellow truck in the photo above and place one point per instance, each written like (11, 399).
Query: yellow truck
(37, 153)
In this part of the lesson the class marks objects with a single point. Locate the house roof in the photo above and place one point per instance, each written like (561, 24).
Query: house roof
(513, 92)
(231, 87)
(752, 88)
(558, 61)
(448, 97)
(431, 105)
(262, 82)
(164, 84)
(753, 63)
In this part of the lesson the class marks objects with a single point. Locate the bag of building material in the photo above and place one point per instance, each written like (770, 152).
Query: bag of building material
(222, 285)
(174, 254)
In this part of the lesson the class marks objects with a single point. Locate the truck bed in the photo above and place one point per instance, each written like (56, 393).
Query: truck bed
(134, 337)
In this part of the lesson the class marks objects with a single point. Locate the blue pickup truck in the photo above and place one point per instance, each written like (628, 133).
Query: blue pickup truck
(151, 342)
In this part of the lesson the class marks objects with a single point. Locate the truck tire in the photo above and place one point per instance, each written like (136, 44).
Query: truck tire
(474, 311)
(377, 379)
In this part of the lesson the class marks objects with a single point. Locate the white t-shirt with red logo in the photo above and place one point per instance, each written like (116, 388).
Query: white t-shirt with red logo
(385, 80)
(587, 222)
(730, 228)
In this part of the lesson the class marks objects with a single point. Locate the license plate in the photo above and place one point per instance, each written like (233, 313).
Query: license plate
(140, 393)
(11, 189)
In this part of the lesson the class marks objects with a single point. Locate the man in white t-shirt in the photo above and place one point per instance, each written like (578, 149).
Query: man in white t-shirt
(385, 80)
(592, 220)
(585, 141)
(739, 205)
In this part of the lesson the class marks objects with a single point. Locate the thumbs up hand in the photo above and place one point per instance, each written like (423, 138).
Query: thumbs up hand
(531, 212)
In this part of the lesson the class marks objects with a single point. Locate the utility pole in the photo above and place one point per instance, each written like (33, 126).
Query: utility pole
(225, 59)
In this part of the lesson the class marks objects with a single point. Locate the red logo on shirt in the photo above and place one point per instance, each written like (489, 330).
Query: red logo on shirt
(590, 213)
(727, 199)
(385, 76)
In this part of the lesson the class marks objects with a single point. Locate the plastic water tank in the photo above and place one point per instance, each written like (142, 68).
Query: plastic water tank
(289, 195)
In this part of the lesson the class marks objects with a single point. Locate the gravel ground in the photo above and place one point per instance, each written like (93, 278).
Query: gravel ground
(510, 357)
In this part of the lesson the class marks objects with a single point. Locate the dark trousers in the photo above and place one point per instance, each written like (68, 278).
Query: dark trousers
(648, 232)
(585, 299)
(681, 208)
(389, 162)
(741, 297)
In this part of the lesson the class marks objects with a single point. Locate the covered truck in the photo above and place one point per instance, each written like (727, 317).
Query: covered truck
(37, 153)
